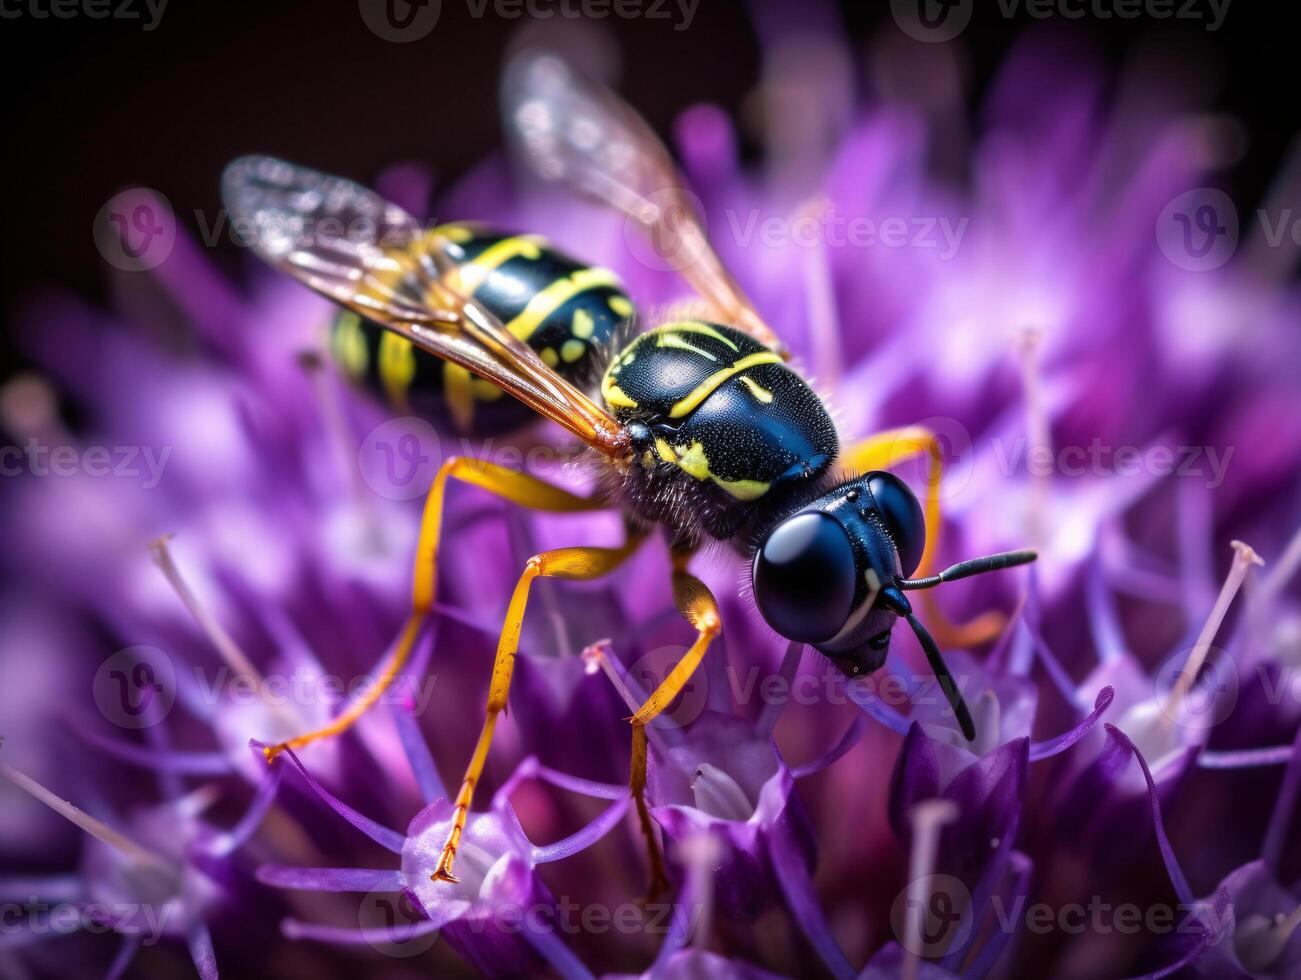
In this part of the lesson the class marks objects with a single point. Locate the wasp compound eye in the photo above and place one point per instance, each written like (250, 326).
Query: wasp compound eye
(804, 578)
(902, 515)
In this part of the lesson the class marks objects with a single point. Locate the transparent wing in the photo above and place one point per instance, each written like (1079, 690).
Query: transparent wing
(352, 246)
(573, 129)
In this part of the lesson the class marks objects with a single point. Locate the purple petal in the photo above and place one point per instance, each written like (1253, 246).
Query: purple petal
(51, 888)
(877, 709)
(1108, 638)
(560, 957)
(1284, 807)
(771, 711)
(253, 816)
(916, 777)
(344, 936)
(989, 794)
(1056, 672)
(797, 889)
(1246, 758)
(331, 879)
(200, 942)
(1050, 748)
(185, 763)
(582, 839)
(377, 832)
(987, 958)
(847, 741)
(1177, 878)
(1206, 938)
(418, 755)
(125, 954)
(588, 787)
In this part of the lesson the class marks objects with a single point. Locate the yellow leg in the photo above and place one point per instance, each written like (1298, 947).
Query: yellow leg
(698, 608)
(887, 449)
(512, 485)
(566, 563)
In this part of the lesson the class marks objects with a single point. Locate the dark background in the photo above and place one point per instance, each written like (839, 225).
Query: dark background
(92, 106)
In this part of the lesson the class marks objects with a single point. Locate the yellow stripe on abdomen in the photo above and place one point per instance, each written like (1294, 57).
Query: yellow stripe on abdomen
(473, 272)
(397, 367)
(548, 300)
(350, 347)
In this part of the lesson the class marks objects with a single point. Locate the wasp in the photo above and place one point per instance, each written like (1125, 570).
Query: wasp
(700, 426)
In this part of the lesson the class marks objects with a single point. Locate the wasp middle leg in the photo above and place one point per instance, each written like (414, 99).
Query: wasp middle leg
(564, 563)
(519, 488)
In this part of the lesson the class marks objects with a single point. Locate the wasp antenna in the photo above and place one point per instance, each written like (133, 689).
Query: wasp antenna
(973, 566)
(947, 684)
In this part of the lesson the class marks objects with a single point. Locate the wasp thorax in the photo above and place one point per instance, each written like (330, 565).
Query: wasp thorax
(718, 417)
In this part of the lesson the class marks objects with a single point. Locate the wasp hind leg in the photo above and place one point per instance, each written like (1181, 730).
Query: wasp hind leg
(565, 563)
(697, 605)
(519, 488)
(886, 450)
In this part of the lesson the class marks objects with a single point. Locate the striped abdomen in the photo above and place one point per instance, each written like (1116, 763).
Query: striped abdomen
(565, 310)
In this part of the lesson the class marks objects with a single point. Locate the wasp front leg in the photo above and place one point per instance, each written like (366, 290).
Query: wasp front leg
(884, 451)
(697, 605)
(519, 488)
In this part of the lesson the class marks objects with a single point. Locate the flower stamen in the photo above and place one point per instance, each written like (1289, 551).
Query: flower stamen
(820, 298)
(84, 821)
(1244, 557)
(221, 640)
(928, 819)
(719, 795)
(1039, 433)
(1259, 939)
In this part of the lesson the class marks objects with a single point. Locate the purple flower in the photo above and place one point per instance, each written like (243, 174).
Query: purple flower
(1049, 329)
(129, 884)
(499, 915)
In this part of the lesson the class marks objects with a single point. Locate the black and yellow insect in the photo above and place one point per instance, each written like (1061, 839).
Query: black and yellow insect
(703, 427)
(568, 312)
